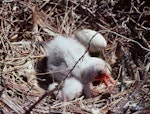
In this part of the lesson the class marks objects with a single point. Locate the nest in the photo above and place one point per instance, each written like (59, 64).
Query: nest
(124, 24)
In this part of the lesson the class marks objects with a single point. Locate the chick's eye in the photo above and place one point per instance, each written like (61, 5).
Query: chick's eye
(100, 72)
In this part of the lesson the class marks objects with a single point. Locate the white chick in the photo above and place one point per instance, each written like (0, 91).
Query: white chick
(71, 89)
(63, 52)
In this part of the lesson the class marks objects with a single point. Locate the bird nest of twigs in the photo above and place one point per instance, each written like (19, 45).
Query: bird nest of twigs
(124, 24)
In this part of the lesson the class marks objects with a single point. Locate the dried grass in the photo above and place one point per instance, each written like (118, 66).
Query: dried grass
(124, 24)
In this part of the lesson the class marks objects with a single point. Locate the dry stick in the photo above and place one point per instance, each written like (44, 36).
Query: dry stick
(147, 49)
(64, 77)
(2, 81)
(120, 109)
(107, 30)
(28, 32)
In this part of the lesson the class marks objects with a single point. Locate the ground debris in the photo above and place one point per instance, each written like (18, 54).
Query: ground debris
(124, 24)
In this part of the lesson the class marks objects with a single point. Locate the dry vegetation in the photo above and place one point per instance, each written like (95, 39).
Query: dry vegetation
(124, 23)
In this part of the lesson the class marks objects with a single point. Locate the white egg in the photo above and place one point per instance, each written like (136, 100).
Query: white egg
(96, 40)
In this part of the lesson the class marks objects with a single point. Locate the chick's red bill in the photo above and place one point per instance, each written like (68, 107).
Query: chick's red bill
(105, 78)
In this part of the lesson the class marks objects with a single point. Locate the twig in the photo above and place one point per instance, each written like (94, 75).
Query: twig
(132, 94)
(107, 30)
